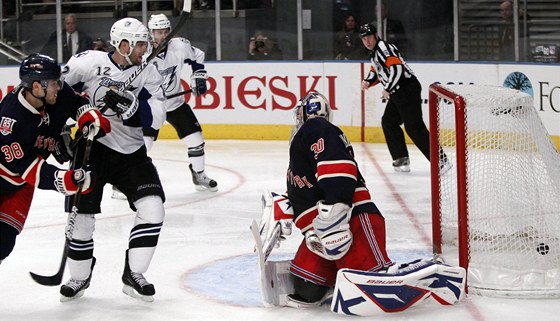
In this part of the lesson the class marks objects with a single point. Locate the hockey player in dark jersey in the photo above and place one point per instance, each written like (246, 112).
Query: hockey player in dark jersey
(403, 92)
(344, 232)
(32, 117)
(331, 203)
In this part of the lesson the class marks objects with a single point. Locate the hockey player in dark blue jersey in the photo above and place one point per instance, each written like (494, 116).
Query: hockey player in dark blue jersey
(332, 205)
(32, 117)
(344, 243)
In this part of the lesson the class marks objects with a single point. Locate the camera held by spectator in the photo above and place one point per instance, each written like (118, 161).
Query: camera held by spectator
(261, 48)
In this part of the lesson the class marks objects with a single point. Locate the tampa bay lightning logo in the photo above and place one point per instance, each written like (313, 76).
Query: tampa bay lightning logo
(518, 80)
(170, 76)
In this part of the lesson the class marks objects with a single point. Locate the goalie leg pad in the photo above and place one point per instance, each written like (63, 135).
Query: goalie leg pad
(367, 293)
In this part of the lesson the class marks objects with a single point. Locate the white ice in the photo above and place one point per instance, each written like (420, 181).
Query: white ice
(204, 267)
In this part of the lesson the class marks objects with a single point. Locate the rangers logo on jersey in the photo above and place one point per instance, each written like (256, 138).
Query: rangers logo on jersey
(6, 125)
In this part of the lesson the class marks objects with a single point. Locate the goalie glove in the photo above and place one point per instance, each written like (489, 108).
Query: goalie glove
(67, 182)
(91, 122)
(123, 103)
(277, 210)
(198, 82)
(330, 236)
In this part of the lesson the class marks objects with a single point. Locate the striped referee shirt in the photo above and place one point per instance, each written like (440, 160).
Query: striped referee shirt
(387, 67)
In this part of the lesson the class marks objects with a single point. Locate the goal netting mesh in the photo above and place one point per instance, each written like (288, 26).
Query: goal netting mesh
(512, 190)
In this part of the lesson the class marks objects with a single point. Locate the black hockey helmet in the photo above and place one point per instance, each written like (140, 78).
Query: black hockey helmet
(38, 67)
(367, 29)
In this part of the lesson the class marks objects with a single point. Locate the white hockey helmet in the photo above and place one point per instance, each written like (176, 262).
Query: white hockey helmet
(311, 106)
(129, 29)
(159, 21)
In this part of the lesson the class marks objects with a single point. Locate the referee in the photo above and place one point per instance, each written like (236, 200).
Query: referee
(402, 90)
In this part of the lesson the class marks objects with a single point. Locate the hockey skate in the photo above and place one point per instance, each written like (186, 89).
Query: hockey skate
(402, 164)
(202, 182)
(118, 195)
(135, 285)
(74, 289)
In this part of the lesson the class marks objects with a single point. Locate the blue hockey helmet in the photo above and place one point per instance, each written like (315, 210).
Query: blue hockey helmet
(38, 67)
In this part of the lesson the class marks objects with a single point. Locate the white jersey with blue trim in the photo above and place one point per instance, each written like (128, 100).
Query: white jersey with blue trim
(93, 72)
(169, 63)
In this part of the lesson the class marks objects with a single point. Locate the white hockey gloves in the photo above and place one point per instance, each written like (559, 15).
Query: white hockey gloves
(92, 122)
(198, 82)
(124, 103)
(330, 236)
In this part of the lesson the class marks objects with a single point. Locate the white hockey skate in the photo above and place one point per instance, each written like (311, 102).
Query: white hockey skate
(202, 182)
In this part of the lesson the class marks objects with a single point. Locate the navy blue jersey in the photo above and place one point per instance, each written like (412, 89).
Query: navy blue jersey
(28, 136)
(322, 167)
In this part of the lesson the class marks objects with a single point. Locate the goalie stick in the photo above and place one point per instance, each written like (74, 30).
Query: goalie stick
(275, 278)
(57, 278)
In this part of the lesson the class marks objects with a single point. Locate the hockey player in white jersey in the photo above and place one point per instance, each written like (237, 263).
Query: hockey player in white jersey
(169, 62)
(121, 158)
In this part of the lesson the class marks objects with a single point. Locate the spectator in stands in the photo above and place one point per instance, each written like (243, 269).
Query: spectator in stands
(347, 42)
(506, 33)
(262, 48)
(73, 40)
(392, 30)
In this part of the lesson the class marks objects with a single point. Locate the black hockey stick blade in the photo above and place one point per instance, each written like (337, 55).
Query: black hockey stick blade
(53, 279)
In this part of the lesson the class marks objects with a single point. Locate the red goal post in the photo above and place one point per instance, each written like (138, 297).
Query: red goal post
(496, 203)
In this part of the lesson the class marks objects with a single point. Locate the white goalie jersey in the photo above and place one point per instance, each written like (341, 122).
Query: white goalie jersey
(93, 72)
(169, 63)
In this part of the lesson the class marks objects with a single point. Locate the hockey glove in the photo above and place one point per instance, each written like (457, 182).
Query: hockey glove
(68, 181)
(62, 151)
(91, 122)
(331, 227)
(123, 103)
(198, 82)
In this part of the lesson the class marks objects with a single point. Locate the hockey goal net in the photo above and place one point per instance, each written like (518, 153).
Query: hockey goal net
(495, 190)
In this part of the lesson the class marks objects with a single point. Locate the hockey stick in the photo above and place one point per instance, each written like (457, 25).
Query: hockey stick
(187, 4)
(57, 278)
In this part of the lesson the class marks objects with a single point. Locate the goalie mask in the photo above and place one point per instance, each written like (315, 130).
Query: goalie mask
(131, 30)
(311, 106)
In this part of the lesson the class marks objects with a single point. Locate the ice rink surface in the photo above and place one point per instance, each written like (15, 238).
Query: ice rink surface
(204, 267)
